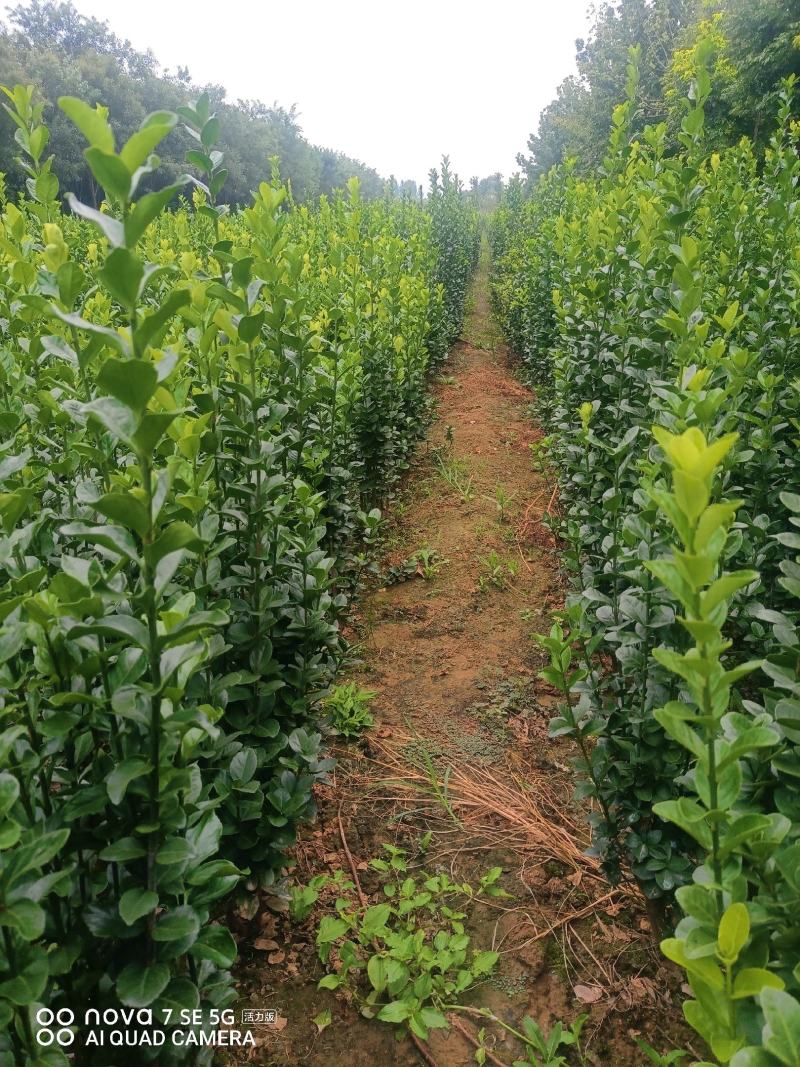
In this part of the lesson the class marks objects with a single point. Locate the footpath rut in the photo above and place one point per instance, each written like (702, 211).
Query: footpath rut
(460, 747)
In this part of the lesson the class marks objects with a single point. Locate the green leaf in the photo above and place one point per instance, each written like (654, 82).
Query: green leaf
(150, 134)
(395, 1012)
(122, 274)
(152, 427)
(125, 509)
(484, 962)
(122, 775)
(124, 850)
(376, 972)
(750, 981)
(25, 917)
(215, 943)
(433, 1019)
(149, 207)
(116, 417)
(688, 815)
(209, 134)
(178, 535)
(243, 765)
(132, 382)
(134, 903)
(180, 995)
(200, 160)
(156, 320)
(249, 327)
(734, 931)
(177, 924)
(111, 172)
(9, 791)
(116, 627)
(91, 121)
(115, 538)
(782, 1032)
(748, 1057)
(71, 280)
(323, 1020)
(28, 983)
(138, 986)
(330, 981)
(375, 919)
(111, 228)
(742, 829)
(330, 929)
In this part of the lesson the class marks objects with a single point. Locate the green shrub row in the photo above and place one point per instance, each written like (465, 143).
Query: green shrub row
(663, 292)
(200, 412)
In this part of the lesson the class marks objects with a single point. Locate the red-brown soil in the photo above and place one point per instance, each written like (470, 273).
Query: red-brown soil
(455, 670)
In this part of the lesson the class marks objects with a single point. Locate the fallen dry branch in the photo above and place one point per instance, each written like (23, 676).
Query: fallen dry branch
(350, 860)
(424, 1052)
(469, 1036)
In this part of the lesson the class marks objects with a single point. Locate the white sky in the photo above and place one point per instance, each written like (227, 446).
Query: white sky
(393, 84)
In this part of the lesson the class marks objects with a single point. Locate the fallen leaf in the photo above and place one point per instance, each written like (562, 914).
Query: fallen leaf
(589, 994)
(280, 1023)
(265, 944)
(276, 957)
(323, 1019)
(247, 907)
(275, 903)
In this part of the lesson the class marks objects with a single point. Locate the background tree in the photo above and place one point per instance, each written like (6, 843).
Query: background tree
(52, 46)
(753, 44)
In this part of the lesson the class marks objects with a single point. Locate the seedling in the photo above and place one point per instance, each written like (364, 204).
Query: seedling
(497, 571)
(428, 563)
(455, 473)
(661, 1059)
(407, 959)
(502, 500)
(348, 708)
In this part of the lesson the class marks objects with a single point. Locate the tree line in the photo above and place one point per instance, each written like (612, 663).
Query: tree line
(52, 46)
(754, 45)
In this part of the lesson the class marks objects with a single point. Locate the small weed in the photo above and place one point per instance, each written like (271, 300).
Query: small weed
(497, 571)
(302, 898)
(419, 755)
(662, 1059)
(541, 1049)
(502, 501)
(428, 563)
(348, 708)
(455, 473)
(406, 959)
(539, 454)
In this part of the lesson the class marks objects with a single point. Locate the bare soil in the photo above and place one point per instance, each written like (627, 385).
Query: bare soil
(455, 670)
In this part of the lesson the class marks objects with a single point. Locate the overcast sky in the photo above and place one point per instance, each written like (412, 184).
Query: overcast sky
(393, 84)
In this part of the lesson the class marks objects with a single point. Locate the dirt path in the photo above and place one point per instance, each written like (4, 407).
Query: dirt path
(452, 661)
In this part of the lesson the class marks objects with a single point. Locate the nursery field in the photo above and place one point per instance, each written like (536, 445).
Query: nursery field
(398, 619)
